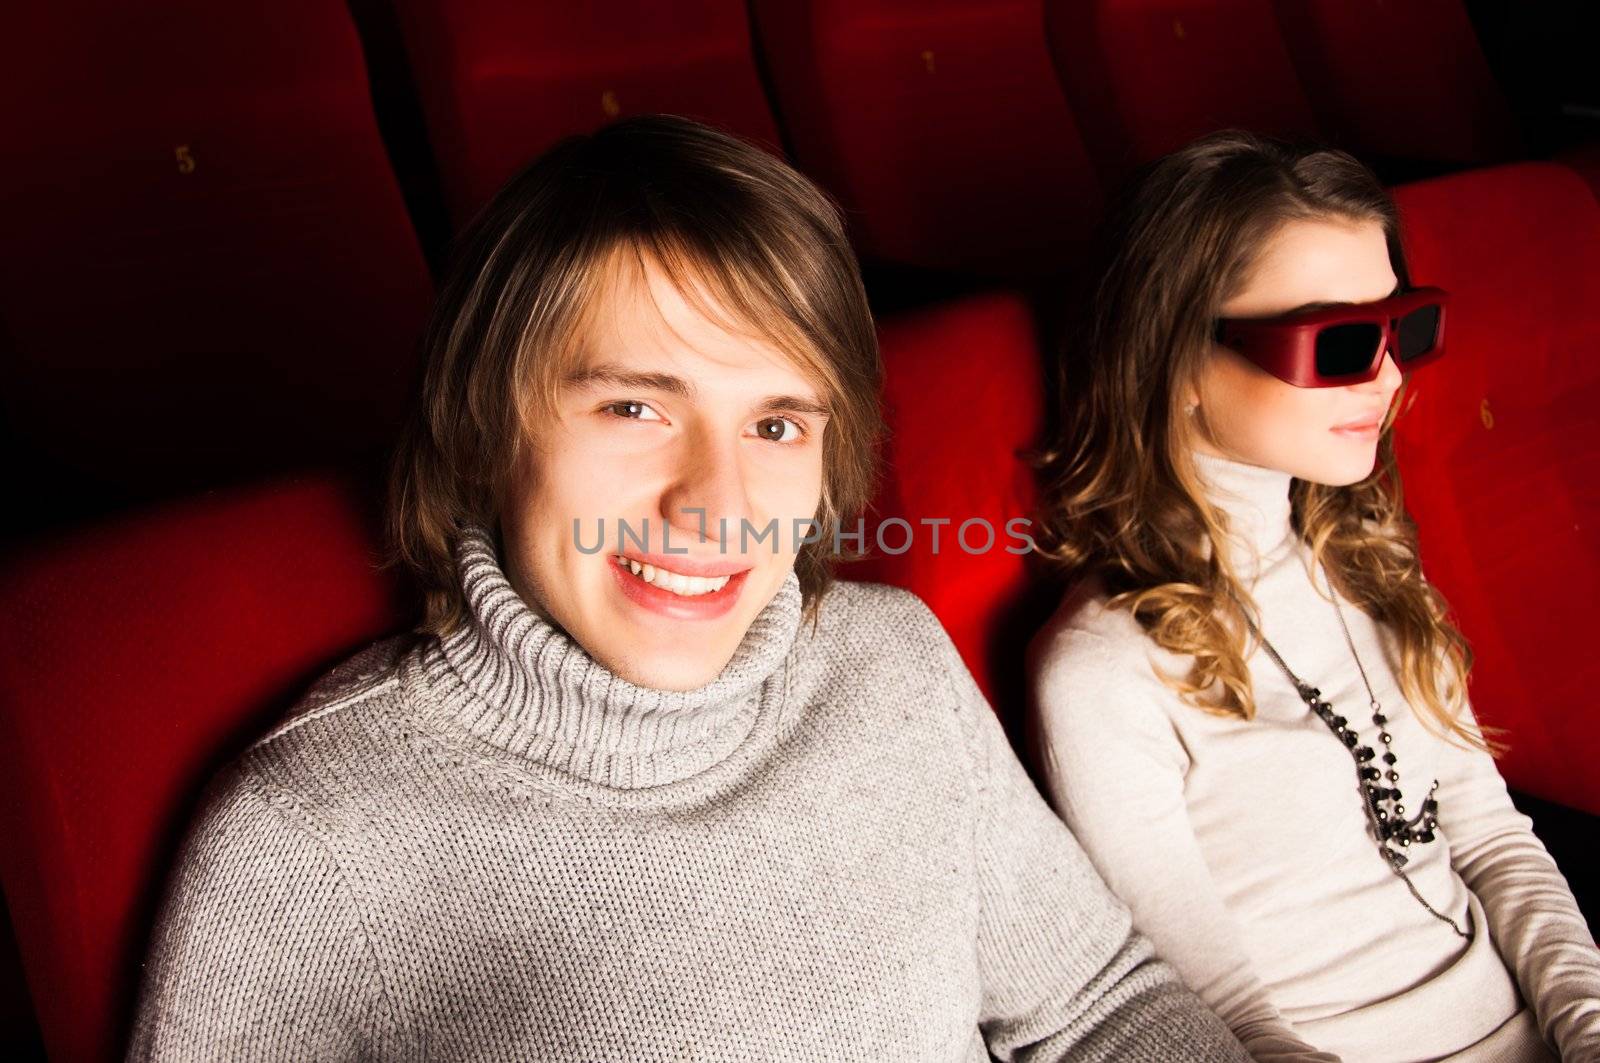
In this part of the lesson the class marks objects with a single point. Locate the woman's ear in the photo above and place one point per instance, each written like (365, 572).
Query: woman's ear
(1191, 398)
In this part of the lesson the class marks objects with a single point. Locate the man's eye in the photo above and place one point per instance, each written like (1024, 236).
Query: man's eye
(780, 430)
(634, 411)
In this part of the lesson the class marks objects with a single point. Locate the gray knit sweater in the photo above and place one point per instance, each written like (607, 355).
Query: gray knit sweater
(491, 848)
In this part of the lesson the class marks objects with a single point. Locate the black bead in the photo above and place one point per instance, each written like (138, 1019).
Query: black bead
(1369, 773)
(1399, 810)
(1430, 806)
(1394, 794)
(1386, 738)
(1340, 721)
(1394, 776)
(1348, 737)
(1388, 758)
(1364, 754)
(1379, 718)
(1425, 836)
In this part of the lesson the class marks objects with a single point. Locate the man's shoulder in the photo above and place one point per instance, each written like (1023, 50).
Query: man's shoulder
(370, 672)
(347, 727)
(874, 644)
(879, 617)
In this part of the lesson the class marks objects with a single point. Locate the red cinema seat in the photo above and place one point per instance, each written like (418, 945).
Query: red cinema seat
(1583, 159)
(1145, 77)
(963, 396)
(1500, 449)
(139, 656)
(208, 268)
(1400, 80)
(938, 123)
(502, 80)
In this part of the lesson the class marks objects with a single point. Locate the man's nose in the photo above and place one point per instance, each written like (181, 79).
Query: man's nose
(707, 495)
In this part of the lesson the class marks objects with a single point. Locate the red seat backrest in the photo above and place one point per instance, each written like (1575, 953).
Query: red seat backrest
(139, 655)
(502, 80)
(1145, 78)
(963, 396)
(208, 268)
(1500, 449)
(1403, 80)
(938, 123)
(1584, 160)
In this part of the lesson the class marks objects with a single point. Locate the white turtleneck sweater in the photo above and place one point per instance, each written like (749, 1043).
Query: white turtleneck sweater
(489, 847)
(1243, 850)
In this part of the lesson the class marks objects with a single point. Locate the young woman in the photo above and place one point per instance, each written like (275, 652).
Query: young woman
(1252, 704)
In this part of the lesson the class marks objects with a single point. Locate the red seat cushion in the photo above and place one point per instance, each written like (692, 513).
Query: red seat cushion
(209, 271)
(938, 123)
(138, 657)
(963, 396)
(1404, 80)
(1147, 77)
(502, 80)
(1500, 449)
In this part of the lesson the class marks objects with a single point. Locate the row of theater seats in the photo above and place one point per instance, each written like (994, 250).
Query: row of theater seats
(962, 134)
(212, 276)
(211, 272)
(142, 653)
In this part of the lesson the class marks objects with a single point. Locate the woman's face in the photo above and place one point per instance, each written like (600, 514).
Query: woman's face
(1324, 435)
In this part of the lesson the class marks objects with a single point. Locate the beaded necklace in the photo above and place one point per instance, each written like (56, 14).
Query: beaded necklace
(1379, 787)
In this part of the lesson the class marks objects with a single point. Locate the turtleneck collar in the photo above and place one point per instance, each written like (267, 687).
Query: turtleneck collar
(521, 683)
(1256, 502)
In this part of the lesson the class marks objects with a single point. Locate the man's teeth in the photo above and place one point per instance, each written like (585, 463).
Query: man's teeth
(676, 582)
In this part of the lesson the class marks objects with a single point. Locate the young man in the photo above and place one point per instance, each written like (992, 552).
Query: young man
(658, 793)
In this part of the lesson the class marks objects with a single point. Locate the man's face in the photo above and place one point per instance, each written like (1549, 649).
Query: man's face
(675, 425)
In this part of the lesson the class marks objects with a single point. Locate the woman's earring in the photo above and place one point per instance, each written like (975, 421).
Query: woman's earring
(1189, 409)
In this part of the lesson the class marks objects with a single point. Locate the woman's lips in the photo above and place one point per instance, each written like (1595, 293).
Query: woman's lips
(704, 606)
(1364, 429)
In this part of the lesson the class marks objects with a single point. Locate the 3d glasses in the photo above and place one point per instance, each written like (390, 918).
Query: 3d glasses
(1342, 345)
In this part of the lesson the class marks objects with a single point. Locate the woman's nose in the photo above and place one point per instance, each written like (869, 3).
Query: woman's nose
(1389, 375)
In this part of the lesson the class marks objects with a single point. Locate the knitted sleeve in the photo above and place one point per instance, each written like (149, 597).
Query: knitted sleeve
(1064, 974)
(1533, 919)
(259, 952)
(1114, 768)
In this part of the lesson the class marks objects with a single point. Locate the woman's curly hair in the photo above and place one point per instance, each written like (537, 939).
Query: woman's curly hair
(1122, 501)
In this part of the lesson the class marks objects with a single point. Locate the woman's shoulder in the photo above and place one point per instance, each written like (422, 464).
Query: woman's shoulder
(1085, 638)
(1092, 667)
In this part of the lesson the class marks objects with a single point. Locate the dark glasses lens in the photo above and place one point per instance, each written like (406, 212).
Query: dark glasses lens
(1345, 350)
(1418, 332)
